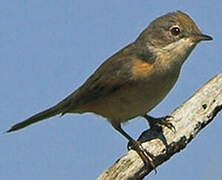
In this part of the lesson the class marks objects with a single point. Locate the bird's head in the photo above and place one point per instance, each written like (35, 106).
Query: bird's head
(175, 33)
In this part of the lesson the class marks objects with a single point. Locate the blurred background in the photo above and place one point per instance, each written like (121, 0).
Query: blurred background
(49, 48)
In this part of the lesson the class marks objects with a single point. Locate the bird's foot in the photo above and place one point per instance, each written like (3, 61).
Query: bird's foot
(162, 121)
(147, 157)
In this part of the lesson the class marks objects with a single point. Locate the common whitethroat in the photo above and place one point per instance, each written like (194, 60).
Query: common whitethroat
(134, 80)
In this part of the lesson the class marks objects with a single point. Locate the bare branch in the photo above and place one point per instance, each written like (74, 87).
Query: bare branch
(189, 119)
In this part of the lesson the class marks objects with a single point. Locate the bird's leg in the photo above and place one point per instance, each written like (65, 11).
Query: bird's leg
(165, 121)
(137, 146)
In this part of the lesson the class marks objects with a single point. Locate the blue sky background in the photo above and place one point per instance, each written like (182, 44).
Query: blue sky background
(49, 48)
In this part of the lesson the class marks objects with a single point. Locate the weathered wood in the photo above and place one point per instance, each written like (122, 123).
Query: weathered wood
(198, 111)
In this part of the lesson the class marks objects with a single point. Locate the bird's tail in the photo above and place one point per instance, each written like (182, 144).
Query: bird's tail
(60, 108)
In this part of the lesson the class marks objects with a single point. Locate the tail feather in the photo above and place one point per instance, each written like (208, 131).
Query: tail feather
(57, 109)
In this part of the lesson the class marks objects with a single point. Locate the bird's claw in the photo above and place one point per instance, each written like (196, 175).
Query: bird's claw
(165, 121)
(147, 157)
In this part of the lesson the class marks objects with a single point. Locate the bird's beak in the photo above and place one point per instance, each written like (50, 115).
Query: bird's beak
(202, 37)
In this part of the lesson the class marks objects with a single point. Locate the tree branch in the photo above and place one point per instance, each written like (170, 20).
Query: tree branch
(198, 111)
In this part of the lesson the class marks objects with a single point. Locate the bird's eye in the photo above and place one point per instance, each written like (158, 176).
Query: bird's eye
(175, 31)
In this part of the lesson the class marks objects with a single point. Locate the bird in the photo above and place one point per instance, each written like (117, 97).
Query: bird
(134, 80)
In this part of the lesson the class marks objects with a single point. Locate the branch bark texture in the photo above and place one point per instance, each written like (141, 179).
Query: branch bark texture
(192, 116)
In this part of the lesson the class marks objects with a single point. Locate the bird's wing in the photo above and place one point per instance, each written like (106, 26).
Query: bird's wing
(110, 76)
(119, 70)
